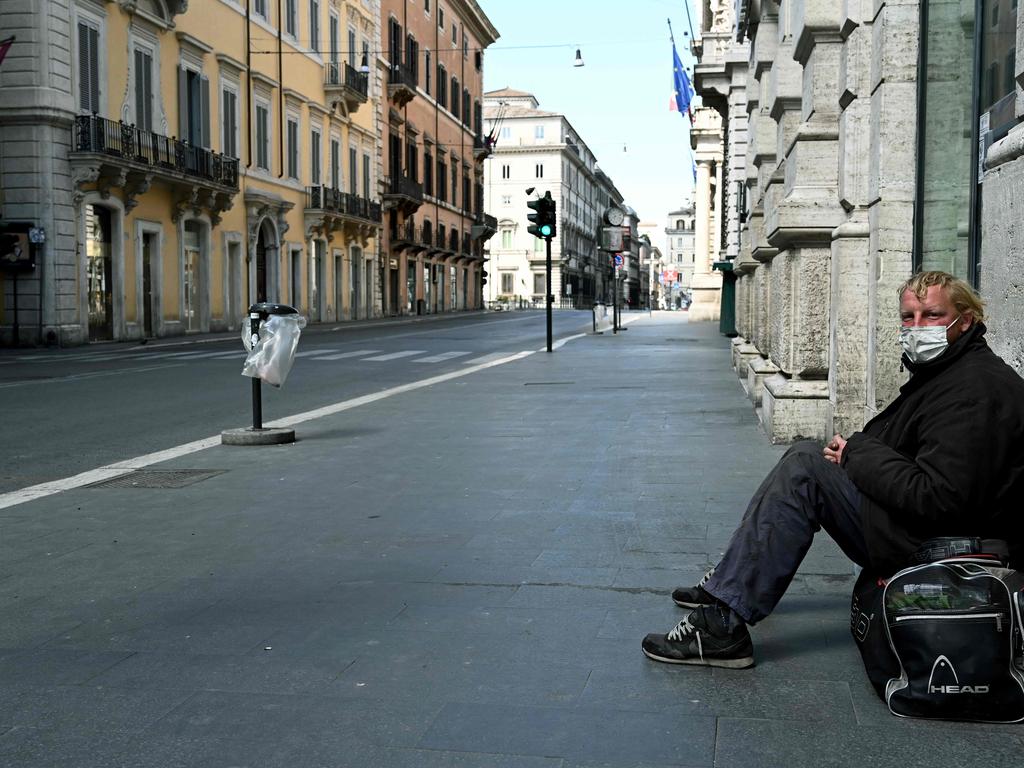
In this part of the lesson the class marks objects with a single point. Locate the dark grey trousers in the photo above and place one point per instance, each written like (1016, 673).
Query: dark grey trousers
(801, 495)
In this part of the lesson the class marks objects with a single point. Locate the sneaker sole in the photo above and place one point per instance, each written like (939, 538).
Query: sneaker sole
(742, 663)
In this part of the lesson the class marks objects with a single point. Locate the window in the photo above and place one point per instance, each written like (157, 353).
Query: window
(314, 25)
(455, 187)
(426, 71)
(351, 47)
(412, 58)
(539, 170)
(88, 67)
(440, 17)
(293, 148)
(260, 7)
(506, 239)
(291, 14)
(465, 45)
(506, 199)
(144, 89)
(442, 179)
(538, 282)
(455, 34)
(334, 39)
(455, 96)
(442, 86)
(538, 132)
(478, 60)
(194, 107)
(366, 175)
(314, 156)
(426, 7)
(428, 171)
(229, 121)
(263, 136)
(508, 280)
(506, 132)
(680, 224)
(335, 163)
(353, 170)
(506, 171)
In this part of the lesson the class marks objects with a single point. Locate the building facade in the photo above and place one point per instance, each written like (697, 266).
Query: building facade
(879, 141)
(541, 150)
(434, 149)
(184, 160)
(680, 256)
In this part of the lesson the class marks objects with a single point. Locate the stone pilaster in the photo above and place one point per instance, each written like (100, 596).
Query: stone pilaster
(706, 287)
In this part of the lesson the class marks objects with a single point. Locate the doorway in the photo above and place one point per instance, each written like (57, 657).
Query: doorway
(99, 271)
(355, 283)
(261, 264)
(190, 276)
(148, 249)
(339, 287)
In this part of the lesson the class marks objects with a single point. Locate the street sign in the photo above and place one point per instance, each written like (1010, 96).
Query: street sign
(618, 259)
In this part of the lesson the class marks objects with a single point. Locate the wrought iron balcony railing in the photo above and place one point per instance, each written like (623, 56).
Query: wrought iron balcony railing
(118, 139)
(345, 203)
(344, 75)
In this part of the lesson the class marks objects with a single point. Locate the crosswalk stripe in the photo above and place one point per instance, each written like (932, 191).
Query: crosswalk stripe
(343, 355)
(440, 358)
(311, 352)
(396, 355)
(485, 358)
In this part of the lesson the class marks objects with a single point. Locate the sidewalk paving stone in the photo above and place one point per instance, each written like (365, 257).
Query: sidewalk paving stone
(459, 576)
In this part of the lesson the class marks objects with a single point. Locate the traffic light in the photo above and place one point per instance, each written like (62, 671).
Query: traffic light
(544, 219)
(483, 277)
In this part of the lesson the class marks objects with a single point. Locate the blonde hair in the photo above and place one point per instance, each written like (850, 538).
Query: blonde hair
(963, 296)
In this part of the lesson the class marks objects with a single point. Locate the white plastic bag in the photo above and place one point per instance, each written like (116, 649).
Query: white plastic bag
(272, 357)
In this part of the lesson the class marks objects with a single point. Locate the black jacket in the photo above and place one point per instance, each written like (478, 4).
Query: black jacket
(946, 458)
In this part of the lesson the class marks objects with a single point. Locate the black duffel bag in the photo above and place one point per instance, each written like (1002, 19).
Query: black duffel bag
(943, 639)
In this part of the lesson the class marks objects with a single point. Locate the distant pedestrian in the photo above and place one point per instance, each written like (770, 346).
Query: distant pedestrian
(946, 458)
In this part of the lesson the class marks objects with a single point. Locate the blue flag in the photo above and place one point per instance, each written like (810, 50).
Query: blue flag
(683, 91)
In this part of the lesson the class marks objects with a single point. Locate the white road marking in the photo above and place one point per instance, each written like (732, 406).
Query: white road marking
(311, 352)
(440, 358)
(13, 498)
(484, 359)
(561, 342)
(343, 355)
(395, 355)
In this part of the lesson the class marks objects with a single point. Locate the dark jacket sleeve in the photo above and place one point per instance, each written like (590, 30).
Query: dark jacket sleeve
(955, 450)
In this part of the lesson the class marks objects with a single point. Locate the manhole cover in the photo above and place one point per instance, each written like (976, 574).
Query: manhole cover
(158, 478)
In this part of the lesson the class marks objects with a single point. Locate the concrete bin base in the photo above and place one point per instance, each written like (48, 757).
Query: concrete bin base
(250, 436)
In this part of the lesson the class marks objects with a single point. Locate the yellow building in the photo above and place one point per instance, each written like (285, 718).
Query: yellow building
(195, 157)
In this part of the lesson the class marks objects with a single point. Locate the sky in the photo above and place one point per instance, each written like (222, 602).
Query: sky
(618, 101)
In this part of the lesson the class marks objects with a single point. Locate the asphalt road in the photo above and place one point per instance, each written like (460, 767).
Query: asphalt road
(68, 411)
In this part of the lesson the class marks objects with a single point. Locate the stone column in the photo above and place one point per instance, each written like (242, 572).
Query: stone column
(706, 287)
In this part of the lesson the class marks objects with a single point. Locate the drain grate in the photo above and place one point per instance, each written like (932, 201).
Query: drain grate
(158, 478)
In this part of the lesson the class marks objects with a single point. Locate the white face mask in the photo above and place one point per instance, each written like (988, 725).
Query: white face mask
(923, 343)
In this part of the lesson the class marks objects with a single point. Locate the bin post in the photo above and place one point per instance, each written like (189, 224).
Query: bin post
(258, 434)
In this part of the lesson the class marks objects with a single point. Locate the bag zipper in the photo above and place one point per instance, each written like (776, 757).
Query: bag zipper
(954, 617)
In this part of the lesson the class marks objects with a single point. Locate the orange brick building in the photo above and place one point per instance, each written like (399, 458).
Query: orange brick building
(433, 151)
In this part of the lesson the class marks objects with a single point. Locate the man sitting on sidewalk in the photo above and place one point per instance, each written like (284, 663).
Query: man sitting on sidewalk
(946, 458)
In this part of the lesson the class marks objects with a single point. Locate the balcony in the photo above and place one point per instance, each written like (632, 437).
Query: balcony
(404, 194)
(115, 155)
(329, 210)
(482, 147)
(401, 85)
(484, 227)
(344, 84)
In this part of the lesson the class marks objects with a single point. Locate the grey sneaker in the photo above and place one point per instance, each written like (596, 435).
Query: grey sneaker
(703, 639)
(694, 597)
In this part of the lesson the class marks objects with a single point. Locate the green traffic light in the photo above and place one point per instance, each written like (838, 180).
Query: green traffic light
(545, 230)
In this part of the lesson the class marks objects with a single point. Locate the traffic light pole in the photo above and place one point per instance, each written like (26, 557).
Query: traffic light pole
(547, 245)
(615, 297)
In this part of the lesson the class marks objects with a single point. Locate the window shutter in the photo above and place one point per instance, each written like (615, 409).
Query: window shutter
(140, 108)
(94, 70)
(148, 91)
(205, 117)
(182, 104)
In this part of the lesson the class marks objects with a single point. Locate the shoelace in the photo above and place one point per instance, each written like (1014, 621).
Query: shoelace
(682, 631)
